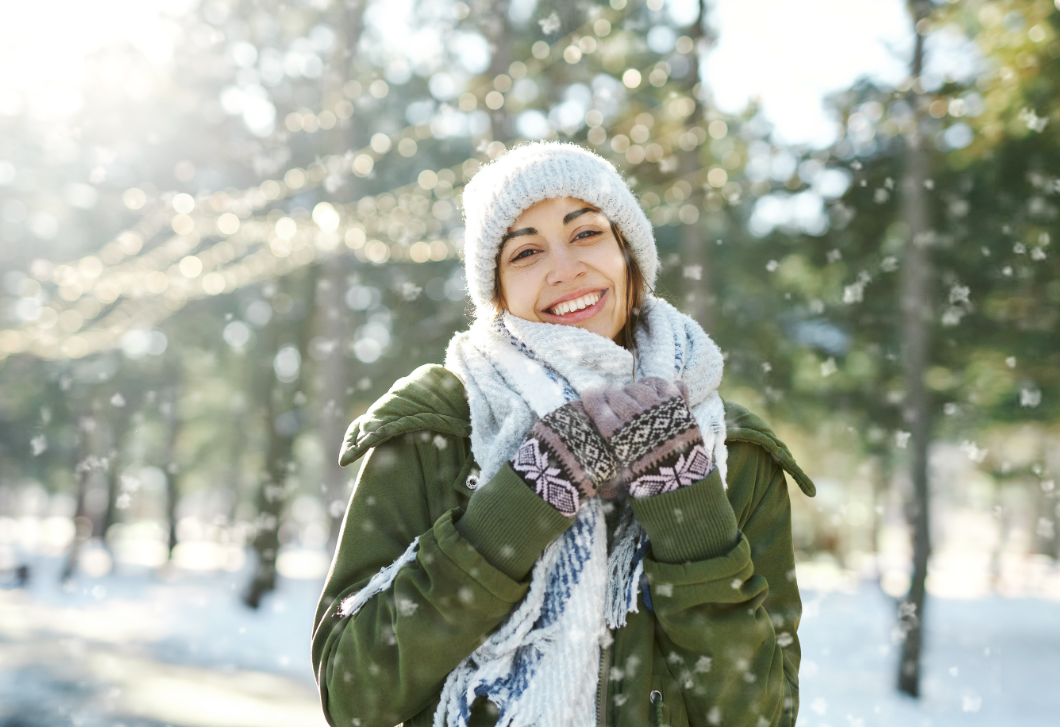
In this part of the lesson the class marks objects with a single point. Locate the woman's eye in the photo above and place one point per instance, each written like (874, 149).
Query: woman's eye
(523, 255)
(587, 234)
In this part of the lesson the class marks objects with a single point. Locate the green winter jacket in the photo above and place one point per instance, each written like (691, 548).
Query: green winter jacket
(718, 644)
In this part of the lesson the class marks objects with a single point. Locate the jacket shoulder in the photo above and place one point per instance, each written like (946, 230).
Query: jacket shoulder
(431, 397)
(743, 426)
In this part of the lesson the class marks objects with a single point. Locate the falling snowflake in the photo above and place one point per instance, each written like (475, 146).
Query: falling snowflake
(901, 439)
(1030, 397)
(974, 452)
(772, 265)
(829, 367)
(410, 291)
(668, 164)
(38, 444)
(406, 606)
(1011, 362)
(971, 702)
(959, 294)
(693, 272)
(952, 316)
(854, 293)
(1034, 122)
(117, 400)
(550, 25)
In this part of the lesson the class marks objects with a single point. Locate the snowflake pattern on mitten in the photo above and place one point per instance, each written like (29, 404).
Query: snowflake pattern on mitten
(656, 441)
(534, 467)
(564, 458)
(687, 470)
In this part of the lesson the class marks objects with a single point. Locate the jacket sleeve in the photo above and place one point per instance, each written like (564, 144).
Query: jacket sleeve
(388, 662)
(726, 617)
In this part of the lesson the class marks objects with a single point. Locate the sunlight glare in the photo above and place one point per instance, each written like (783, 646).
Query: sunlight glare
(791, 54)
(44, 44)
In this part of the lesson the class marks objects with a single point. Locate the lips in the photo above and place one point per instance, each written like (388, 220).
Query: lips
(577, 304)
(578, 307)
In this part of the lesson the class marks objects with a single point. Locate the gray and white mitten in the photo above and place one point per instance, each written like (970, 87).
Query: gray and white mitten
(652, 433)
(564, 459)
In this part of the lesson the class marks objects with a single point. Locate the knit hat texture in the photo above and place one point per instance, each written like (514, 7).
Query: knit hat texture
(509, 185)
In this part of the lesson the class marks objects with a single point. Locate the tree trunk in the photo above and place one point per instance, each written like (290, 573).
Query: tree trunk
(282, 420)
(351, 22)
(87, 465)
(916, 320)
(169, 395)
(119, 420)
(500, 48)
(881, 485)
(330, 308)
(335, 380)
(699, 292)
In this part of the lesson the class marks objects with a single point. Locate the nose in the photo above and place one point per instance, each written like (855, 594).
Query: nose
(565, 264)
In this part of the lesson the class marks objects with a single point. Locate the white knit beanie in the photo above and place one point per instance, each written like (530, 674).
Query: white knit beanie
(507, 186)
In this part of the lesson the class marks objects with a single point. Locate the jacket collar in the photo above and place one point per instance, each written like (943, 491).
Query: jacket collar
(431, 397)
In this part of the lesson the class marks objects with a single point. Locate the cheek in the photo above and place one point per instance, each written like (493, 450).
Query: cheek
(611, 263)
(520, 293)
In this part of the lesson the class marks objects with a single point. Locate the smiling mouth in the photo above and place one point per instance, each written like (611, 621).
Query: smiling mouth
(573, 306)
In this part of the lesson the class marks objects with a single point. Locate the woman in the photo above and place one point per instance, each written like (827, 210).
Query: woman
(564, 525)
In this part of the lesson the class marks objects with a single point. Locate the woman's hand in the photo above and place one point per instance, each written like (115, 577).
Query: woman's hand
(652, 434)
(564, 459)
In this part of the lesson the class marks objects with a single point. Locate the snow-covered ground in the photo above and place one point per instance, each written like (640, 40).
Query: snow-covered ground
(146, 650)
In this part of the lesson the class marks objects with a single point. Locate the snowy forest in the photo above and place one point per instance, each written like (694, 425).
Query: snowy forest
(228, 226)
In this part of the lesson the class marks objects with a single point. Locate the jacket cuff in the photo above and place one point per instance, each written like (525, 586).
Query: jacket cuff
(509, 525)
(690, 524)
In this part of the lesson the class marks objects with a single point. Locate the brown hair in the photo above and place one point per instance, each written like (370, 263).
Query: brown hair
(635, 285)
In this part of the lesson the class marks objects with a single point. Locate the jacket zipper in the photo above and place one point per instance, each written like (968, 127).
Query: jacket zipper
(601, 687)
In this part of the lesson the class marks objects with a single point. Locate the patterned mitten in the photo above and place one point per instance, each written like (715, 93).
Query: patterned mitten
(564, 459)
(651, 431)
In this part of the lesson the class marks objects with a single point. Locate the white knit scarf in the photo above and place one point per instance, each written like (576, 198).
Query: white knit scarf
(541, 666)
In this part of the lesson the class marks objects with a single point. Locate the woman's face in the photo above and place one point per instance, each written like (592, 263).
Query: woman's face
(560, 263)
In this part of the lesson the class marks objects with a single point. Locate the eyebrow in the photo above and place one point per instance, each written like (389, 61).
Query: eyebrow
(533, 231)
(577, 213)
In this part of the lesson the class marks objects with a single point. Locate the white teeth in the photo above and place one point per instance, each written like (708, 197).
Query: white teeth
(577, 304)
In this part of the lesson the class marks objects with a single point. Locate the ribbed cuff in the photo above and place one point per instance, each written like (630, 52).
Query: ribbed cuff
(509, 525)
(690, 524)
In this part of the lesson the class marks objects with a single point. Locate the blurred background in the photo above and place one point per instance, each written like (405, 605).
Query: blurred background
(228, 226)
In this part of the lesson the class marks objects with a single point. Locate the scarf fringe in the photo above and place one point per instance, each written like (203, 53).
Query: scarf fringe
(351, 605)
(624, 567)
(513, 668)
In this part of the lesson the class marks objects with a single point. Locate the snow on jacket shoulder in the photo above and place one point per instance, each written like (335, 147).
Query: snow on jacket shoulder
(717, 645)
